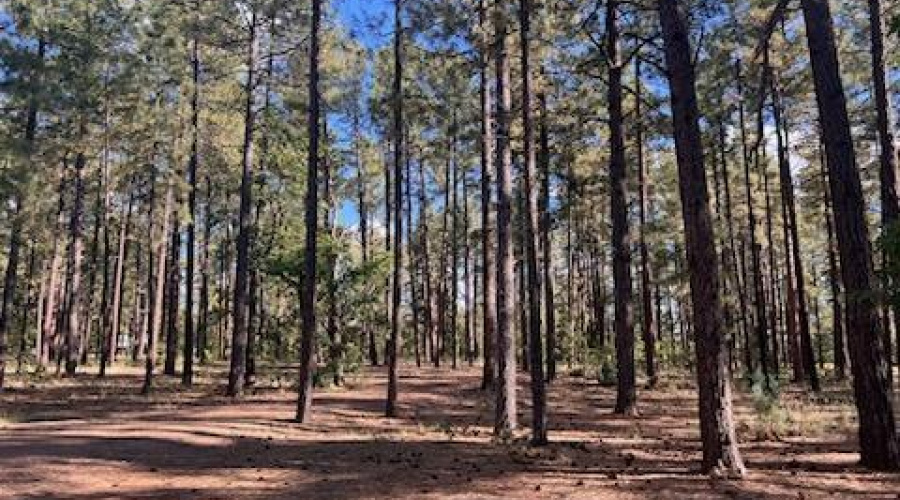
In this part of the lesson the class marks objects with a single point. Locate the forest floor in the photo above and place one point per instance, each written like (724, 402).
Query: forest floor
(87, 439)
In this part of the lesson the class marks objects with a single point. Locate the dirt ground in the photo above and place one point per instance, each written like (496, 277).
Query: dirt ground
(84, 439)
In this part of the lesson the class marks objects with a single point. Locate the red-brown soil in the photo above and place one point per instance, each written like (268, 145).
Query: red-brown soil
(87, 439)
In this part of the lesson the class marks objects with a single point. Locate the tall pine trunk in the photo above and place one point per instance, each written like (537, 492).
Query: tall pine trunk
(311, 220)
(839, 345)
(489, 283)
(429, 299)
(879, 446)
(759, 294)
(205, 270)
(173, 293)
(717, 428)
(73, 318)
(532, 225)
(647, 326)
(115, 323)
(187, 369)
(9, 286)
(795, 261)
(239, 332)
(546, 249)
(454, 245)
(394, 351)
(626, 394)
(505, 410)
(156, 292)
(888, 152)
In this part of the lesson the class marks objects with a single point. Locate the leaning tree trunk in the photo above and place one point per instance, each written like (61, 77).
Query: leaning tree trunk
(879, 447)
(717, 429)
(887, 172)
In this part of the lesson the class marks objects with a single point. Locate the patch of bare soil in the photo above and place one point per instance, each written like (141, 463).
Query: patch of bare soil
(86, 439)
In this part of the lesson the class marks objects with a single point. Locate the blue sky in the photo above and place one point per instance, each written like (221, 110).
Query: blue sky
(369, 20)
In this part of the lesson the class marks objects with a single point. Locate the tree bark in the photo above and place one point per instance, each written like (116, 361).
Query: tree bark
(739, 278)
(394, 351)
(643, 193)
(532, 226)
(505, 417)
(430, 307)
(454, 245)
(239, 333)
(10, 277)
(834, 278)
(29, 306)
(187, 369)
(546, 249)
(73, 318)
(112, 336)
(793, 235)
(336, 348)
(51, 306)
(489, 286)
(368, 332)
(9, 285)
(413, 260)
(772, 267)
(759, 294)
(172, 299)
(879, 446)
(888, 153)
(157, 282)
(626, 394)
(468, 284)
(717, 429)
(205, 270)
(311, 218)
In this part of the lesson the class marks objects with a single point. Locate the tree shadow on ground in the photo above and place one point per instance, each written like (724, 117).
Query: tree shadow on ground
(85, 441)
